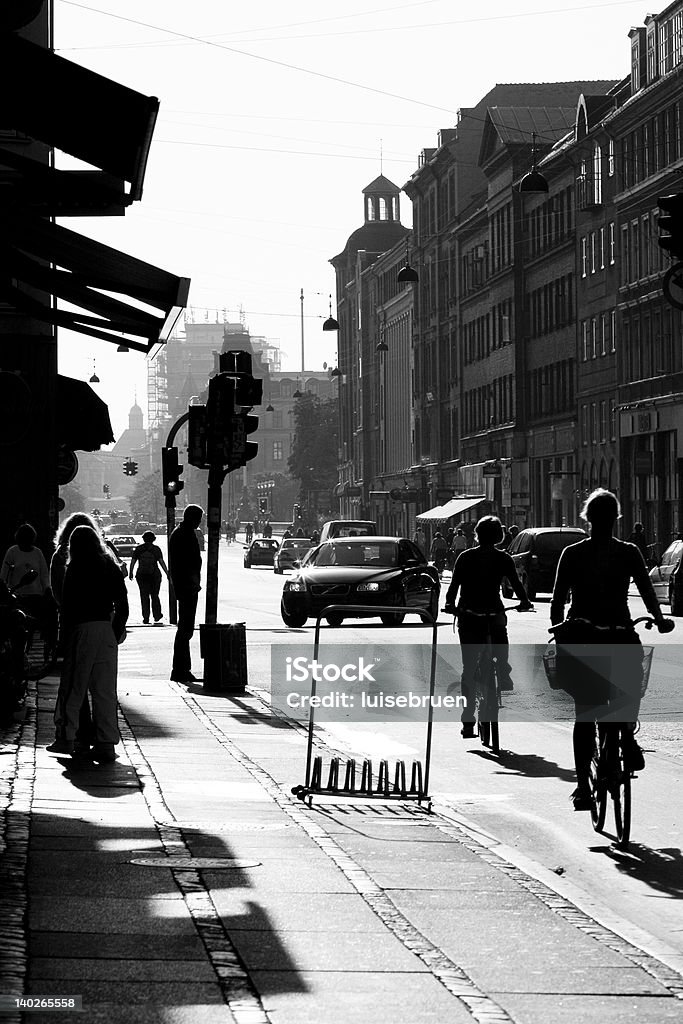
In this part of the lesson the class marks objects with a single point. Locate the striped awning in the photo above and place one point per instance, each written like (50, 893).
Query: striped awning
(454, 507)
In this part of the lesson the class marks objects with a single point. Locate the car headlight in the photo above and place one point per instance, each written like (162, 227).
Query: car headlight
(297, 586)
(373, 587)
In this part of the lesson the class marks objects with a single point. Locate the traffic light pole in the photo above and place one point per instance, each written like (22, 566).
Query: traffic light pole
(213, 515)
(170, 502)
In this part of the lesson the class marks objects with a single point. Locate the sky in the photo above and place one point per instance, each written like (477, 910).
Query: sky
(273, 119)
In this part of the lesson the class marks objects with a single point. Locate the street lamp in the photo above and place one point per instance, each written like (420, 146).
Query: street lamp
(533, 180)
(407, 274)
(329, 325)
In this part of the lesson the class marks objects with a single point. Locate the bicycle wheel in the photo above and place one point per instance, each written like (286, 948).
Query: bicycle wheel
(41, 655)
(487, 706)
(598, 785)
(621, 791)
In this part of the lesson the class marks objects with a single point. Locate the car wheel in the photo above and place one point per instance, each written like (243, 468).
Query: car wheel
(392, 618)
(292, 619)
(334, 620)
(675, 600)
(247, 565)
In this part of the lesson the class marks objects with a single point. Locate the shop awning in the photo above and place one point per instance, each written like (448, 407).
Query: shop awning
(83, 422)
(454, 507)
(119, 298)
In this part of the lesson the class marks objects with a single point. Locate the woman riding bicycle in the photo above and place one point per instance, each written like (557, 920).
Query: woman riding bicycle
(478, 574)
(598, 572)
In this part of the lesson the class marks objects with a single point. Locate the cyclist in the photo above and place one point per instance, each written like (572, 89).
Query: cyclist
(598, 572)
(478, 574)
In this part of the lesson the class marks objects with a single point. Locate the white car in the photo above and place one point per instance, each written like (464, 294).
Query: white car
(290, 551)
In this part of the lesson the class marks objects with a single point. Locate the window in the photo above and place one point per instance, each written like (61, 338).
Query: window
(594, 422)
(594, 337)
(610, 158)
(584, 340)
(613, 330)
(592, 241)
(613, 419)
(277, 451)
(584, 256)
(603, 422)
(610, 242)
(603, 334)
(597, 175)
(277, 419)
(584, 424)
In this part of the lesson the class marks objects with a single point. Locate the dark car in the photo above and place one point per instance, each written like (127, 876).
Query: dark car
(290, 551)
(667, 579)
(536, 553)
(361, 571)
(260, 552)
(126, 544)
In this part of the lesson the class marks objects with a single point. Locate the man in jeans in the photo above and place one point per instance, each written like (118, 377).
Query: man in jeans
(185, 564)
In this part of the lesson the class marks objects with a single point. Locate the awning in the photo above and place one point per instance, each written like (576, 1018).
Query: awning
(454, 507)
(93, 277)
(83, 422)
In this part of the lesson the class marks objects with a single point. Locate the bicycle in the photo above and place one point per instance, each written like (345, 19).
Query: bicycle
(610, 772)
(488, 698)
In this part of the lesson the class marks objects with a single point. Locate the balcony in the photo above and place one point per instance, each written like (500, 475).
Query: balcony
(651, 388)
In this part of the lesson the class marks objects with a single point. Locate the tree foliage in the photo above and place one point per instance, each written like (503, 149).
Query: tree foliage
(313, 458)
(73, 499)
(147, 500)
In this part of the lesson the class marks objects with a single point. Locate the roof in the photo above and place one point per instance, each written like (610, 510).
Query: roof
(381, 184)
(518, 124)
(375, 236)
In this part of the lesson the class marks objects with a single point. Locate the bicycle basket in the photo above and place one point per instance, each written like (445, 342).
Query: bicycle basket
(647, 665)
(550, 666)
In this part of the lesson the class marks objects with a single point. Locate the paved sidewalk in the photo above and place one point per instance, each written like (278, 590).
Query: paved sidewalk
(184, 883)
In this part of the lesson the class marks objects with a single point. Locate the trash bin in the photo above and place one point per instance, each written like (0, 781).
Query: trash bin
(223, 646)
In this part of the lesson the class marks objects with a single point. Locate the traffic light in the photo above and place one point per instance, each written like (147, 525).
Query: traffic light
(197, 436)
(670, 224)
(171, 471)
(130, 468)
(220, 409)
(248, 392)
(263, 505)
(105, 490)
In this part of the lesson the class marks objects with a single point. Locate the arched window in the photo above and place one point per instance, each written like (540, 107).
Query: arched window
(383, 214)
(285, 389)
(370, 208)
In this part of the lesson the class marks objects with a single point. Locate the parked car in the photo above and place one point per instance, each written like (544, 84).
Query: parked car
(290, 551)
(361, 571)
(536, 552)
(260, 552)
(667, 578)
(123, 566)
(348, 528)
(125, 544)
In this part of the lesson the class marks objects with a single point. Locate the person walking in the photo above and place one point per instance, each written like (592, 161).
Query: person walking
(458, 545)
(35, 597)
(595, 574)
(149, 559)
(437, 552)
(185, 565)
(420, 539)
(94, 614)
(639, 538)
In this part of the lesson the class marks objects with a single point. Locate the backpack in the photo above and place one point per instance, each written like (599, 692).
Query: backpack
(147, 561)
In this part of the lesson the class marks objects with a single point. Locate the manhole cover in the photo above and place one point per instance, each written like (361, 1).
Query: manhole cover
(195, 863)
(235, 826)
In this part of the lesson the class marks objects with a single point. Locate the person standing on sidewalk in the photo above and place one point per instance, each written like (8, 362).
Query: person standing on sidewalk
(150, 561)
(94, 614)
(185, 565)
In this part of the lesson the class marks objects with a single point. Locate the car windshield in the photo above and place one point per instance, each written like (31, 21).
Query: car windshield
(297, 545)
(380, 554)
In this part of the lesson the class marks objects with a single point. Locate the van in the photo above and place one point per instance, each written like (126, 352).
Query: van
(348, 528)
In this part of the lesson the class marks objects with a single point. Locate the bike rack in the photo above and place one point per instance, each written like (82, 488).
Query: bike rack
(371, 786)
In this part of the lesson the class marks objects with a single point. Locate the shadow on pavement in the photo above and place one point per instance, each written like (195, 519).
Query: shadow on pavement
(532, 765)
(661, 869)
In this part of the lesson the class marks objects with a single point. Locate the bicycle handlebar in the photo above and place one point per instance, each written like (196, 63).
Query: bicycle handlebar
(664, 626)
(482, 615)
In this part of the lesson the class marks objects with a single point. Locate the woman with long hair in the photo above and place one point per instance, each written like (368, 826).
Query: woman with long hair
(94, 615)
(596, 574)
